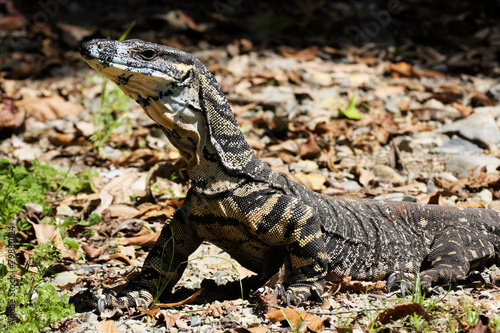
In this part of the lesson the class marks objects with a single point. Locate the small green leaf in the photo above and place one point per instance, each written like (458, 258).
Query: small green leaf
(71, 243)
(350, 111)
(94, 219)
(125, 34)
(3, 271)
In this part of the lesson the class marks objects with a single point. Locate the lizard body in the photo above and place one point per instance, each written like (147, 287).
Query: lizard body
(260, 217)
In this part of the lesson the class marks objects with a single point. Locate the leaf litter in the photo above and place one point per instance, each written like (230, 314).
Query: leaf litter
(347, 121)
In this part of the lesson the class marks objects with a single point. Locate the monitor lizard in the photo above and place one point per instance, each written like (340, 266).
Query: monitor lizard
(263, 219)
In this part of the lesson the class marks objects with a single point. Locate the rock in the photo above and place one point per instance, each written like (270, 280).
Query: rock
(386, 173)
(89, 317)
(480, 128)
(420, 141)
(304, 166)
(460, 165)
(195, 321)
(64, 210)
(495, 90)
(446, 176)
(350, 185)
(457, 146)
(485, 196)
(396, 196)
(65, 280)
(28, 153)
(493, 110)
(85, 128)
(495, 205)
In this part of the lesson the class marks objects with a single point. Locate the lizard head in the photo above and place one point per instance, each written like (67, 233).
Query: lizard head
(161, 79)
(179, 93)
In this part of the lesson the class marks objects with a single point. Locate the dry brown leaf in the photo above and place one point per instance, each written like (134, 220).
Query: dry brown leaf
(313, 181)
(464, 110)
(308, 54)
(257, 329)
(94, 252)
(310, 149)
(188, 20)
(359, 286)
(483, 99)
(144, 240)
(140, 157)
(188, 300)
(401, 69)
(400, 311)
(480, 327)
(11, 22)
(169, 319)
(435, 198)
(219, 309)
(314, 323)
(471, 204)
(117, 256)
(107, 326)
(150, 312)
(60, 139)
(121, 257)
(45, 233)
(386, 91)
(10, 117)
(48, 108)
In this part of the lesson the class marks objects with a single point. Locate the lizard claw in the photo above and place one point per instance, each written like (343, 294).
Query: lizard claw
(391, 281)
(437, 290)
(259, 291)
(290, 298)
(279, 290)
(316, 295)
(396, 280)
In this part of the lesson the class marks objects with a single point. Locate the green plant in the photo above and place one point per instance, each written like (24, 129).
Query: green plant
(37, 304)
(472, 312)
(20, 185)
(300, 322)
(111, 113)
(351, 111)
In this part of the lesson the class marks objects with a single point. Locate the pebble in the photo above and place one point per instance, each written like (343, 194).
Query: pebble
(445, 175)
(350, 185)
(388, 174)
(64, 210)
(396, 196)
(64, 280)
(28, 153)
(460, 165)
(195, 320)
(480, 128)
(304, 166)
(85, 128)
(492, 110)
(484, 196)
(457, 146)
(495, 90)
(421, 141)
(89, 317)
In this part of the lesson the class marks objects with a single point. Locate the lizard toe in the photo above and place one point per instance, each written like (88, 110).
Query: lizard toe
(316, 295)
(279, 290)
(290, 298)
(391, 281)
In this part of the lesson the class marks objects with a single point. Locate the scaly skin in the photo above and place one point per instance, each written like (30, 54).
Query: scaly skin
(263, 219)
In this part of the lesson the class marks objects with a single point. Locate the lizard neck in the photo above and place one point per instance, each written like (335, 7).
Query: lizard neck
(207, 135)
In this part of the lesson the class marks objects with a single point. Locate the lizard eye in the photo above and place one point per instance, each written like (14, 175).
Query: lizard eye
(148, 54)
